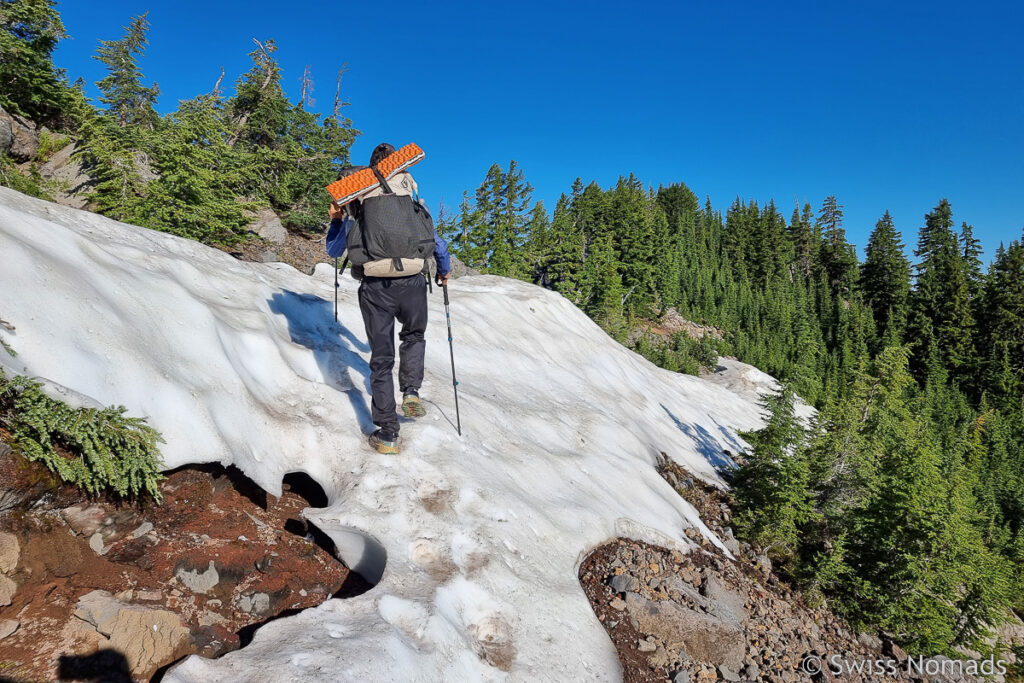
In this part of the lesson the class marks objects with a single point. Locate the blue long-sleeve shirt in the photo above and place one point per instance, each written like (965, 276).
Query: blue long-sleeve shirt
(337, 239)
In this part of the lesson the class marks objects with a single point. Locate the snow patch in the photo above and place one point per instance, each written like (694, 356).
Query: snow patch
(475, 540)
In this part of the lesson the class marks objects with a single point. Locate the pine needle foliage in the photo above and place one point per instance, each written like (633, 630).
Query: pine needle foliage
(108, 452)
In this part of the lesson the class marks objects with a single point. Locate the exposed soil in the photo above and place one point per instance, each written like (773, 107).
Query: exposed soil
(219, 554)
(701, 616)
(300, 250)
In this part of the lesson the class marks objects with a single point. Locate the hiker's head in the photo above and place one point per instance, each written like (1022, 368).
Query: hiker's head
(349, 170)
(379, 152)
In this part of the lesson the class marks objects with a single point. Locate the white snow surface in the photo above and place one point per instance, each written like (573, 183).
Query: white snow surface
(476, 540)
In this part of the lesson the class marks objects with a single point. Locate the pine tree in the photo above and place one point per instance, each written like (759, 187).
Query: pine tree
(566, 258)
(538, 247)
(771, 489)
(128, 102)
(885, 281)
(1002, 339)
(941, 320)
(838, 257)
(801, 236)
(30, 84)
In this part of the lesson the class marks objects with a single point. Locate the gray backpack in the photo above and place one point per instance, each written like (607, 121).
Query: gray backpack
(393, 234)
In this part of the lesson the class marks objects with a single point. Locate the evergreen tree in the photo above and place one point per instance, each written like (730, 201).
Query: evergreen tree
(941, 320)
(801, 236)
(30, 85)
(885, 281)
(770, 489)
(838, 257)
(128, 102)
(1002, 339)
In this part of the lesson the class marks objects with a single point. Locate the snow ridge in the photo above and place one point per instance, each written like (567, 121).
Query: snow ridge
(476, 540)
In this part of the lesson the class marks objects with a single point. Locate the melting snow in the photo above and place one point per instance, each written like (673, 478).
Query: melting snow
(476, 540)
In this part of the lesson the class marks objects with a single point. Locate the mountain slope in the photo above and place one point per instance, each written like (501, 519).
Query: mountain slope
(475, 540)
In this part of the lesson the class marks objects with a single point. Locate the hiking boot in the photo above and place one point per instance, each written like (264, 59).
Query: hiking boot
(411, 405)
(384, 441)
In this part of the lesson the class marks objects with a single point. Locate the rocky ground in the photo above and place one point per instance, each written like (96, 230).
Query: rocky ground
(701, 616)
(93, 589)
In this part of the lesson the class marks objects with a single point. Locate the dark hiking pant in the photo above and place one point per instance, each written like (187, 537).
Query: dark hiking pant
(382, 300)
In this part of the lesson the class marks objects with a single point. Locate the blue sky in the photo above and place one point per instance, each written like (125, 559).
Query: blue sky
(886, 105)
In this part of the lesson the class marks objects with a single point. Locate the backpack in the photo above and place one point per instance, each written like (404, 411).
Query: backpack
(393, 234)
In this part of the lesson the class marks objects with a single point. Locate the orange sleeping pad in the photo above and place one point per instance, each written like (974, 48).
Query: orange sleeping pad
(359, 183)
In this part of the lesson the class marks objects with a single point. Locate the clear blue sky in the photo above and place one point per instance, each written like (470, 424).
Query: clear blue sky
(888, 105)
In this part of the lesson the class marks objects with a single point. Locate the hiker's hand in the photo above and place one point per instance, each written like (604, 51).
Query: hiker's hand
(335, 211)
(441, 280)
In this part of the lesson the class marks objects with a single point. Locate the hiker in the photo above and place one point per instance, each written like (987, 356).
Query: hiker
(394, 287)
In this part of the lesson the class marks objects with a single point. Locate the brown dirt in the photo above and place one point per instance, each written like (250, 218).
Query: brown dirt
(300, 250)
(258, 544)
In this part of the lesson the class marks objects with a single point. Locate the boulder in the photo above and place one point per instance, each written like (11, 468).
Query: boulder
(8, 627)
(460, 269)
(148, 638)
(725, 602)
(267, 225)
(22, 142)
(7, 590)
(703, 637)
(6, 133)
(71, 181)
(10, 552)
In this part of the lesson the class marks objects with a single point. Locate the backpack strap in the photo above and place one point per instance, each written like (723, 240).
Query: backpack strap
(382, 180)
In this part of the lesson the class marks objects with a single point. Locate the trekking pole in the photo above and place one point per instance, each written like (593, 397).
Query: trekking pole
(451, 347)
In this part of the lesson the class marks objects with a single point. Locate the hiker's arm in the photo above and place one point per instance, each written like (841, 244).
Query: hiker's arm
(444, 261)
(337, 235)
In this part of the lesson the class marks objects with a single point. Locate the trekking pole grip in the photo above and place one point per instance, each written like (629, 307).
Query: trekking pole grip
(445, 288)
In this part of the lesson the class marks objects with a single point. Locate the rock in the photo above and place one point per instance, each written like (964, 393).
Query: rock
(10, 552)
(144, 167)
(149, 596)
(143, 529)
(873, 643)
(727, 674)
(751, 672)
(23, 138)
(8, 627)
(617, 603)
(704, 637)
(624, 583)
(269, 257)
(100, 609)
(726, 603)
(96, 543)
(730, 542)
(6, 133)
(764, 563)
(646, 646)
(199, 582)
(659, 659)
(460, 269)
(148, 638)
(7, 590)
(681, 676)
(84, 520)
(257, 603)
(71, 183)
(267, 225)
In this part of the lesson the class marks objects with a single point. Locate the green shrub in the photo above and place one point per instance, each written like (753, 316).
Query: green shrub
(106, 451)
(11, 177)
(49, 144)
